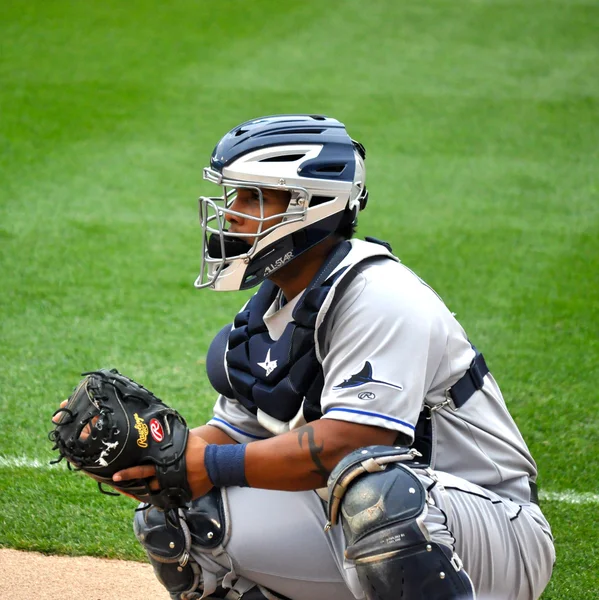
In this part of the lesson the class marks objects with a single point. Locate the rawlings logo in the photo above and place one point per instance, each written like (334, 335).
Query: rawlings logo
(278, 263)
(142, 429)
(156, 430)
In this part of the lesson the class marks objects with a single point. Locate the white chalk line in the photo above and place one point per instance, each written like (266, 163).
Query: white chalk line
(565, 496)
(15, 462)
(569, 497)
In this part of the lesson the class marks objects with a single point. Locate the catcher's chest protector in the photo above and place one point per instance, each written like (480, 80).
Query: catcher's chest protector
(277, 375)
(282, 377)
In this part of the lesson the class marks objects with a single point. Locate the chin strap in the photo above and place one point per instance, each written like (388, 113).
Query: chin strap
(232, 246)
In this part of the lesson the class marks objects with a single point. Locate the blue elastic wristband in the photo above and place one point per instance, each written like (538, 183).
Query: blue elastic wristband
(225, 464)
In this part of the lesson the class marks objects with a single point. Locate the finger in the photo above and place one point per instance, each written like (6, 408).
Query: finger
(57, 417)
(88, 429)
(152, 484)
(140, 472)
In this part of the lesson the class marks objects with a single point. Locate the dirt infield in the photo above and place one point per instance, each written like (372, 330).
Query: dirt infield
(26, 575)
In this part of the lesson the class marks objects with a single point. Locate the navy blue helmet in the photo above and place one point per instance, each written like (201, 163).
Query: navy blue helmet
(310, 156)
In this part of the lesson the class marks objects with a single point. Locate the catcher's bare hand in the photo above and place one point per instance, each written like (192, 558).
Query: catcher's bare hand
(86, 430)
(84, 434)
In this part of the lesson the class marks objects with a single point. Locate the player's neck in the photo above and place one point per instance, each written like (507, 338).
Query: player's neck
(295, 277)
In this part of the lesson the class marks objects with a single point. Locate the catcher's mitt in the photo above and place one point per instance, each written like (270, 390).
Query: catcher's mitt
(111, 423)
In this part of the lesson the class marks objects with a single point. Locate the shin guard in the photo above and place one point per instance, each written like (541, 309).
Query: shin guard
(383, 505)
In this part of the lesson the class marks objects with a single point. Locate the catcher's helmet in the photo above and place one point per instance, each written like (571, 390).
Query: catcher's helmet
(310, 156)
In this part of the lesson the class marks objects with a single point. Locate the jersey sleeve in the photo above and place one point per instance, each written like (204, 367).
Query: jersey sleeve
(236, 421)
(385, 339)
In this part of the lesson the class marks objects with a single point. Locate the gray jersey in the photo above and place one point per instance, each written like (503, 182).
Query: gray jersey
(391, 348)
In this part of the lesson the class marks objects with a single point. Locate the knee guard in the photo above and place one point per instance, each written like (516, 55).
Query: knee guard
(170, 540)
(383, 505)
(166, 540)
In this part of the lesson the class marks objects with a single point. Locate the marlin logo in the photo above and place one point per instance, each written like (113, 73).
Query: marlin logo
(278, 263)
(363, 377)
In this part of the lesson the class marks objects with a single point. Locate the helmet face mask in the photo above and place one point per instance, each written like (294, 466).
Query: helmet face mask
(222, 248)
(323, 174)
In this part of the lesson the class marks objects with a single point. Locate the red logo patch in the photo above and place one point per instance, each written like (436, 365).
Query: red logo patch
(156, 430)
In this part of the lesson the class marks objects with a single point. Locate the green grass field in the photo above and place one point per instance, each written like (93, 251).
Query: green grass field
(481, 120)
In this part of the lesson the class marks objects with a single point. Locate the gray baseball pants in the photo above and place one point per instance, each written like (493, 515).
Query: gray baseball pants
(277, 540)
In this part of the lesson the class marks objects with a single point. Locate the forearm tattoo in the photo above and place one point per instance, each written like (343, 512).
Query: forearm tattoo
(306, 433)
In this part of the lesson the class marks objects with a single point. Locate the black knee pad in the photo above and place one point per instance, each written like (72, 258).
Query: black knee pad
(168, 538)
(207, 520)
(383, 505)
(167, 541)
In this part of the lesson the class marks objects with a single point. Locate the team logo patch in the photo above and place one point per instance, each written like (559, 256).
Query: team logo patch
(268, 365)
(142, 430)
(156, 430)
(363, 377)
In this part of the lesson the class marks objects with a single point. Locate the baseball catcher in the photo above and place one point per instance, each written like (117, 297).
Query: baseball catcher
(109, 423)
(360, 447)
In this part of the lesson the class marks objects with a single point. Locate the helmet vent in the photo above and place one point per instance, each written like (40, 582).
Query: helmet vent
(308, 131)
(316, 200)
(330, 169)
(286, 158)
(240, 131)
